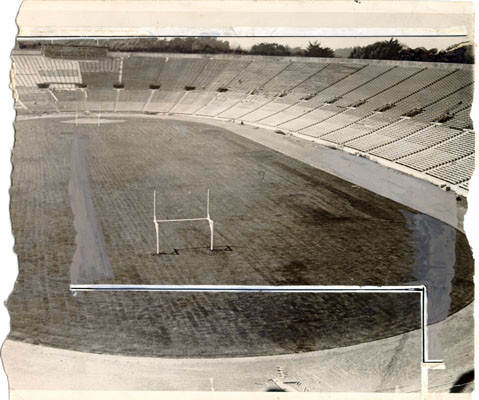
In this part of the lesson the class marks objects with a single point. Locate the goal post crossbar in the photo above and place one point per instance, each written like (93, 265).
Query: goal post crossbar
(207, 218)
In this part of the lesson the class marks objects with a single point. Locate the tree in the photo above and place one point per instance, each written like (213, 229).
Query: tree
(385, 50)
(270, 49)
(315, 50)
(210, 45)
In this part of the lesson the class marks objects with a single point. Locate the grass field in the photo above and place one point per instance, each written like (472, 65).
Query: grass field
(283, 221)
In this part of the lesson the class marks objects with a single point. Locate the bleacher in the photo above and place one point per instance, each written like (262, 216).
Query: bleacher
(221, 102)
(192, 101)
(163, 101)
(372, 123)
(267, 113)
(256, 74)
(71, 100)
(219, 73)
(150, 71)
(393, 132)
(415, 115)
(455, 172)
(101, 100)
(290, 77)
(327, 75)
(377, 85)
(245, 106)
(180, 72)
(131, 100)
(461, 144)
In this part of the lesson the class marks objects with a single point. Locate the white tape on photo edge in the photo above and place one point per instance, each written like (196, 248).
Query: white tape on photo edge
(245, 31)
(421, 289)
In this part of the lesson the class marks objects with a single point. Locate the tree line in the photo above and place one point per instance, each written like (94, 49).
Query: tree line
(390, 49)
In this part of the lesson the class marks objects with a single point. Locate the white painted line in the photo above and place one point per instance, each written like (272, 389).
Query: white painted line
(421, 289)
(55, 97)
(18, 101)
(149, 99)
(120, 76)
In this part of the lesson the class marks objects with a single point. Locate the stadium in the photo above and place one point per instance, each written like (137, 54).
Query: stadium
(319, 172)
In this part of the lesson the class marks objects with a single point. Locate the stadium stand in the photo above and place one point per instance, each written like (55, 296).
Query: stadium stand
(180, 72)
(221, 102)
(245, 106)
(413, 114)
(219, 73)
(269, 111)
(131, 100)
(192, 101)
(101, 99)
(163, 101)
(390, 133)
(455, 172)
(150, 71)
(257, 74)
(71, 100)
(328, 75)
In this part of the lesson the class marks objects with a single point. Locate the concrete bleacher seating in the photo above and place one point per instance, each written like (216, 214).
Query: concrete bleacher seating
(327, 75)
(219, 73)
(101, 100)
(257, 73)
(460, 145)
(290, 77)
(221, 102)
(267, 113)
(31, 70)
(357, 104)
(37, 100)
(450, 104)
(455, 172)
(163, 101)
(180, 72)
(337, 121)
(384, 136)
(71, 100)
(309, 117)
(245, 106)
(131, 100)
(192, 101)
(150, 71)
(364, 127)
(461, 119)
(416, 142)
(349, 83)
(442, 88)
(377, 85)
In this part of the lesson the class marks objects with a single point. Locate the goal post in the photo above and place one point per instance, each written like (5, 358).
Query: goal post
(157, 222)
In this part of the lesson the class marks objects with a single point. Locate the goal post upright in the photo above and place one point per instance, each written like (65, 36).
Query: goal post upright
(156, 224)
(207, 218)
(210, 221)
